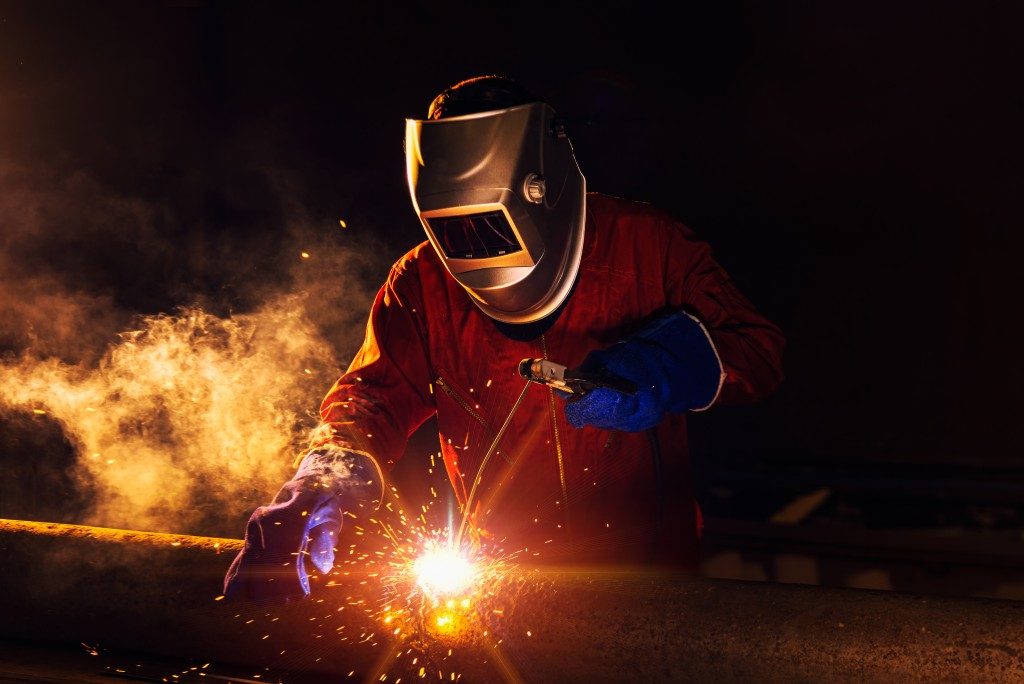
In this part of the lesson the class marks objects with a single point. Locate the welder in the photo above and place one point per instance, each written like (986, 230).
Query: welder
(521, 262)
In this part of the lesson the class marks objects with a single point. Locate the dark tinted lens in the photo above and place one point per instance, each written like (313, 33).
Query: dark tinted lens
(475, 236)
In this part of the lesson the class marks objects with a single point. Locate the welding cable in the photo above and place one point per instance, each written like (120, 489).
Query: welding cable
(487, 457)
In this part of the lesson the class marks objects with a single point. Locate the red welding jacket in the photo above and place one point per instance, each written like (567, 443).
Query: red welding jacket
(552, 492)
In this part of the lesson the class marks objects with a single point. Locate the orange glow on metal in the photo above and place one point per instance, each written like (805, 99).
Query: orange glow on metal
(109, 534)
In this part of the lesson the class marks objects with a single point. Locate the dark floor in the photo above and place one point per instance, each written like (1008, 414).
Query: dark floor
(27, 662)
(946, 532)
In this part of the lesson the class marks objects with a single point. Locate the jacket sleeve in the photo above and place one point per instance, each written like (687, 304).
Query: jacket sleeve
(385, 393)
(749, 346)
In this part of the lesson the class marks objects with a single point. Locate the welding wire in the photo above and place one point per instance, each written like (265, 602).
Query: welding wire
(483, 463)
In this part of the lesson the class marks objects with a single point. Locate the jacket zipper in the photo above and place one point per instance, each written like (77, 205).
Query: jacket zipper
(558, 441)
(458, 398)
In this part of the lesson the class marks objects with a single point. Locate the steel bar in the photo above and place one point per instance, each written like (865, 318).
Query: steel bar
(110, 589)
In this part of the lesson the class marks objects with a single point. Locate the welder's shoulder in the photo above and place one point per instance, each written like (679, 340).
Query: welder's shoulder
(418, 264)
(626, 219)
(412, 259)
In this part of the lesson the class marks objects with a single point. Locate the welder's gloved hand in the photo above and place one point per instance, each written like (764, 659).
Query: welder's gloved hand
(674, 365)
(302, 525)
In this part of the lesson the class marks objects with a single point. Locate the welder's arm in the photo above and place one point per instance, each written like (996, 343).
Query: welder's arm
(301, 526)
(385, 394)
(674, 365)
(366, 418)
(748, 345)
(712, 346)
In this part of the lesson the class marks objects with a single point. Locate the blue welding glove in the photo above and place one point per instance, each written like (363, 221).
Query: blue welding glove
(674, 365)
(302, 525)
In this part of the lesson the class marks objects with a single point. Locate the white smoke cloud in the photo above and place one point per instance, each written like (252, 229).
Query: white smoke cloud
(189, 419)
(187, 414)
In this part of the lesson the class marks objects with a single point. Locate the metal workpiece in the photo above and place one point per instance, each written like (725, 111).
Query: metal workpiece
(125, 590)
(13, 528)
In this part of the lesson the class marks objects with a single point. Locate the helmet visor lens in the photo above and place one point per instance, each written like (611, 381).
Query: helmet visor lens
(475, 236)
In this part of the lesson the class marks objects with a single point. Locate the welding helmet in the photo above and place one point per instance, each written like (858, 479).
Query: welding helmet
(502, 200)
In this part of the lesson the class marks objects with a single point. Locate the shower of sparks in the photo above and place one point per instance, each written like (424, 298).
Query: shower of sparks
(415, 592)
(419, 596)
(401, 583)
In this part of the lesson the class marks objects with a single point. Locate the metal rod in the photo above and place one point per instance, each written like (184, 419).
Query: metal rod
(111, 534)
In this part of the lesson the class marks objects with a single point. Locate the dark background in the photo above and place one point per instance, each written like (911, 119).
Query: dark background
(856, 167)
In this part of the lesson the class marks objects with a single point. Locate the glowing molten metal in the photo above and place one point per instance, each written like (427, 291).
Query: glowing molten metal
(441, 571)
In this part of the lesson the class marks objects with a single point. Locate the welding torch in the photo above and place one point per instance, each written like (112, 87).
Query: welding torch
(575, 381)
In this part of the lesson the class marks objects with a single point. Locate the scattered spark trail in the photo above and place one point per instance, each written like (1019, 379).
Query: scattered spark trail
(427, 595)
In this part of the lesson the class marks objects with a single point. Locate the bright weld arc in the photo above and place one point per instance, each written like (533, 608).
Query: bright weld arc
(435, 588)
(443, 571)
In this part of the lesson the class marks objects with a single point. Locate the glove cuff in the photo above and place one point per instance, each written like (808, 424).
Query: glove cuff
(688, 360)
(344, 471)
(713, 370)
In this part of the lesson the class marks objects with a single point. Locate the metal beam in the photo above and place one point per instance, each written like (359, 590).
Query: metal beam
(139, 591)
